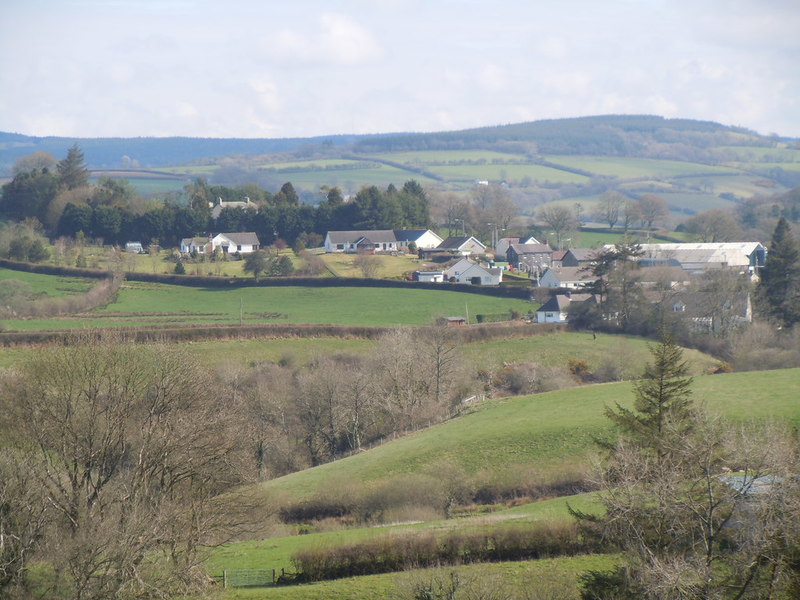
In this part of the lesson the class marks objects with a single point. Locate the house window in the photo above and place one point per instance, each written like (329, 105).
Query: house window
(238, 247)
(340, 246)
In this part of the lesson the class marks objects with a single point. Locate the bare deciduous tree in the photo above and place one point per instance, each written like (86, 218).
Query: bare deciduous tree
(368, 264)
(559, 219)
(131, 450)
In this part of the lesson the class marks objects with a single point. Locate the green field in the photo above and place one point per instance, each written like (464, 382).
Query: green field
(759, 154)
(313, 165)
(689, 203)
(502, 172)
(147, 304)
(351, 180)
(555, 432)
(627, 168)
(557, 349)
(276, 552)
(519, 575)
(433, 157)
(49, 285)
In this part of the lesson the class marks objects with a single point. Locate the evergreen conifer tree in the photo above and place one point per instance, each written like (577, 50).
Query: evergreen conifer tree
(779, 290)
(72, 171)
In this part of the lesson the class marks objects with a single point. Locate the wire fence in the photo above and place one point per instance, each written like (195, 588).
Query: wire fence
(235, 578)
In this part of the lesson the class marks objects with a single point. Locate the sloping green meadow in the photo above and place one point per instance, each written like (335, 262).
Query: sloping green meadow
(636, 167)
(277, 552)
(546, 431)
(553, 432)
(503, 172)
(532, 575)
(49, 285)
(148, 304)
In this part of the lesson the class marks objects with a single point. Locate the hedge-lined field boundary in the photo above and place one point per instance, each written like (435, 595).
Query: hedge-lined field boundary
(463, 334)
(503, 291)
(412, 550)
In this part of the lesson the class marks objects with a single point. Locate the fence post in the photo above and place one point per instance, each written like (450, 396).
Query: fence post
(225, 578)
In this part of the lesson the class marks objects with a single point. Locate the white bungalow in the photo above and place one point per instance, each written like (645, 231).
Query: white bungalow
(467, 271)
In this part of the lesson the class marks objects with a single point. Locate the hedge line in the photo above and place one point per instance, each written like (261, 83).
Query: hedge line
(52, 269)
(465, 334)
(513, 290)
(398, 552)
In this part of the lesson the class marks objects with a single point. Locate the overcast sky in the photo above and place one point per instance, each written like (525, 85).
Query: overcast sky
(298, 68)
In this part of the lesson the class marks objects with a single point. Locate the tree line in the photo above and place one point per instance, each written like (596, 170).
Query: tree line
(60, 197)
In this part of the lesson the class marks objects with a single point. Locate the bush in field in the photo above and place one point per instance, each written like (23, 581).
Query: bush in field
(531, 378)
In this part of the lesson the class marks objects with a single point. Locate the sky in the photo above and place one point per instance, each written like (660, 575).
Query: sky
(303, 68)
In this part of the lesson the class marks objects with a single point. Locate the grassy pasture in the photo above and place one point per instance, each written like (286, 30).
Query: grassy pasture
(49, 285)
(627, 168)
(684, 204)
(557, 348)
(388, 267)
(433, 157)
(551, 350)
(555, 431)
(794, 166)
(276, 552)
(156, 187)
(147, 304)
(760, 154)
(739, 185)
(520, 575)
(192, 171)
(351, 180)
(312, 165)
(149, 184)
(496, 172)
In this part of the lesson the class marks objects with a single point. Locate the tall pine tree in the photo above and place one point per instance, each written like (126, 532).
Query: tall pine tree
(662, 400)
(72, 171)
(779, 290)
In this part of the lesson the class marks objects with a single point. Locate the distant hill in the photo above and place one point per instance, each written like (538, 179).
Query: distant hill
(611, 135)
(149, 152)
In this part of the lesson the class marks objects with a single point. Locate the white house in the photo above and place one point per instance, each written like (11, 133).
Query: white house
(228, 243)
(555, 309)
(467, 271)
(464, 245)
(366, 241)
(231, 243)
(422, 238)
(196, 245)
(565, 277)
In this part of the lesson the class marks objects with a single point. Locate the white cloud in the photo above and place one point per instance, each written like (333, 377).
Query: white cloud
(337, 40)
(254, 68)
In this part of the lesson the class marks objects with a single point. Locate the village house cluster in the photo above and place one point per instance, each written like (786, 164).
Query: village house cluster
(567, 273)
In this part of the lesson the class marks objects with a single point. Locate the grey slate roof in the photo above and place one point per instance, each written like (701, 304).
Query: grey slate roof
(521, 249)
(353, 236)
(243, 238)
(454, 243)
